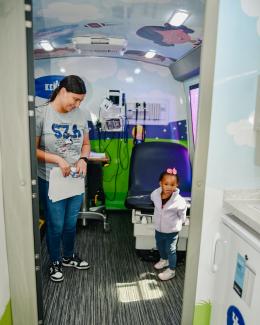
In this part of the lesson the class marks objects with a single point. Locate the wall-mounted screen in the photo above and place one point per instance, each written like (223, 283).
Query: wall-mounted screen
(194, 106)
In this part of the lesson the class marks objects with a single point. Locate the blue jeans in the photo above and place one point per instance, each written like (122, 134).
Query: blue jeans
(61, 220)
(166, 244)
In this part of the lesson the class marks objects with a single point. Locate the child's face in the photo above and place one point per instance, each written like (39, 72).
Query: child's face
(168, 184)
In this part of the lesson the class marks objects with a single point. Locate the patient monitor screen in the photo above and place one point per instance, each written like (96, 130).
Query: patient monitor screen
(114, 99)
(114, 96)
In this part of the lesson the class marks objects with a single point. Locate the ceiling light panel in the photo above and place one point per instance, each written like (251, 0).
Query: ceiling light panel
(46, 45)
(179, 17)
(150, 54)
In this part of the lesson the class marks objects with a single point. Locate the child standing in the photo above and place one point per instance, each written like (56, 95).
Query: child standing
(169, 215)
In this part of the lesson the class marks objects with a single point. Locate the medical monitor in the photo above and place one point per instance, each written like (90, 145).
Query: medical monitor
(114, 96)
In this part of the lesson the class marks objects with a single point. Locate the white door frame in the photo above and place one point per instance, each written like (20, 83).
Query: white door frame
(207, 68)
(16, 164)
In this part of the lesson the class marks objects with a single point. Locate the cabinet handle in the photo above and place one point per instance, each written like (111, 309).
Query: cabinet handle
(214, 265)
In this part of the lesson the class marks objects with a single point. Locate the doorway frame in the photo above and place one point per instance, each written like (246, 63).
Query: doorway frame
(20, 185)
(19, 169)
(207, 69)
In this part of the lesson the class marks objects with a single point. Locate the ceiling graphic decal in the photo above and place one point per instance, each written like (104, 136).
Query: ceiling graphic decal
(167, 35)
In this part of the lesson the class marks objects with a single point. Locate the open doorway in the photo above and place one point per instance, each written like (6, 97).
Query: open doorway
(93, 241)
(135, 77)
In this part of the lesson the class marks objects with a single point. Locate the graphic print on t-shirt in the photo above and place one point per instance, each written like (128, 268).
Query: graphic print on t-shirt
(62, 131)
(67, 138)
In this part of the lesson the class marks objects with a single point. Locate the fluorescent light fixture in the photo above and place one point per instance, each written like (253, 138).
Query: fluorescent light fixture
(129, 79)
(137, 70)
(150, 54)
(46, 45)
(179, 17)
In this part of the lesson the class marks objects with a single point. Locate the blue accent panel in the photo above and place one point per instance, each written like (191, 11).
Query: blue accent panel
(44, 86)
(234, 316)
(174, 130)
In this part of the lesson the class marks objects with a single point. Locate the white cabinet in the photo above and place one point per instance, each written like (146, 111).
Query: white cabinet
(236, 262)
(145, 237)
(144, 232)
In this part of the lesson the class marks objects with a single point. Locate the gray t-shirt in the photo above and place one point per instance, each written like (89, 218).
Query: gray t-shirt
(61, 134)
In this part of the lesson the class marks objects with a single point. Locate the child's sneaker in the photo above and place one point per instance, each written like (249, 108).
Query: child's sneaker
(161, 264)
(56, 272)
(166, 275)
(76, 262)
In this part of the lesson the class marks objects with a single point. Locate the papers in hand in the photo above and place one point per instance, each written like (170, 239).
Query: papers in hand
(97, 154)
(61, 187)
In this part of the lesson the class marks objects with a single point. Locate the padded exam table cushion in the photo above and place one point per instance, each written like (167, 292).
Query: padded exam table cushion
(147, 162)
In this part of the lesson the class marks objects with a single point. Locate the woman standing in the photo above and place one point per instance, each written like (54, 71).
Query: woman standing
(62, 141)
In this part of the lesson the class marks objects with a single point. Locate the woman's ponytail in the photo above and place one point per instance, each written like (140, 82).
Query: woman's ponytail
(72, 83)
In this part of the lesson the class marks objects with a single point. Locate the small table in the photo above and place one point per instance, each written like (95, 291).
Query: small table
(93, 213)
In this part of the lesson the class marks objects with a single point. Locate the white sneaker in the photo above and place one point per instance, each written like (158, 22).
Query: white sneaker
(76, 262)
(56, 274)
(161, 264)
(166, 275)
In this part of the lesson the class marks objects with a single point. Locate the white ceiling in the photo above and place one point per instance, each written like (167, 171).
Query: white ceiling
(134, 20)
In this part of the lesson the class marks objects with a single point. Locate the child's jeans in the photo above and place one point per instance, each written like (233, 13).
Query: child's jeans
(61, 220)
(166, 244)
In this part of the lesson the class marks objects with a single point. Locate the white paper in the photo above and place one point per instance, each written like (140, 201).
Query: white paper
(97, 155)
(61, 187)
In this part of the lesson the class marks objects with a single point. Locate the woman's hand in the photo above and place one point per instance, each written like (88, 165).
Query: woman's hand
(64, 166)
(81, 167)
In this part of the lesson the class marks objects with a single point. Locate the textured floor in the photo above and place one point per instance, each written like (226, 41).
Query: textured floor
(118, 289)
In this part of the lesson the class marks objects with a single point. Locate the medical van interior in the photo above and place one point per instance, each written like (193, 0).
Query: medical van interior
(171, 84)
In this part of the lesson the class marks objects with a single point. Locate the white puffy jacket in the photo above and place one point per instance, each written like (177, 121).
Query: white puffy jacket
(171, 217)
